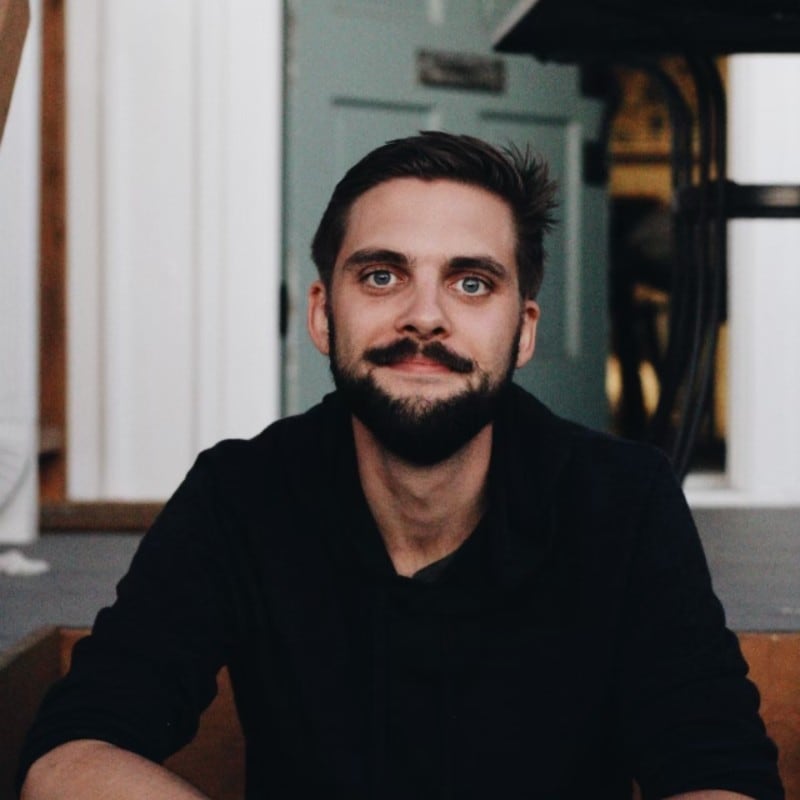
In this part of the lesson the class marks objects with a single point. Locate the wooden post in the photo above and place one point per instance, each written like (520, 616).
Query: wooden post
(14, 19)
(53, 260)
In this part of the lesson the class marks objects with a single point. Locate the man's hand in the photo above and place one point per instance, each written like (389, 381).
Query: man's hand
(92, 770)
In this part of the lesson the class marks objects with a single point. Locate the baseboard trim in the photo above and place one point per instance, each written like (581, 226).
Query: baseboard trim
(101, 517)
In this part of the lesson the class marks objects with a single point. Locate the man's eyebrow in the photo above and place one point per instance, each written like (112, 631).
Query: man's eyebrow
(482, 263)
(368, 256)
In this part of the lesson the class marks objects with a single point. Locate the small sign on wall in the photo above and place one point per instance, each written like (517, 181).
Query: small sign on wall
(449, 70)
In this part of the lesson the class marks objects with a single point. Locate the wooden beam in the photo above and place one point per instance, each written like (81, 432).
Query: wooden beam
(105, 517)
(14, 20)
(53, 259)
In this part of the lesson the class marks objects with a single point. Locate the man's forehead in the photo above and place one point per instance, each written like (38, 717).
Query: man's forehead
(415, 203)
(417, 219)
(403, 185)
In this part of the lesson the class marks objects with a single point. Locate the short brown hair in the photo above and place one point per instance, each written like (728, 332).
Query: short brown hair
(516, 176)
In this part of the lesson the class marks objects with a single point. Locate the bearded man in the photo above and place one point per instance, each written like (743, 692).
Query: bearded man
(428, 586)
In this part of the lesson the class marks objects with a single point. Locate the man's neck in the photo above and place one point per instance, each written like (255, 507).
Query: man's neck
(423, 513)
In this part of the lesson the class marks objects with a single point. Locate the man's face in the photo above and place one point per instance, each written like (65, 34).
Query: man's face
(423, 322)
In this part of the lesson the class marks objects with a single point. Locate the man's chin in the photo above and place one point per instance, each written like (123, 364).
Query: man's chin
(419, 427)
(422, 391)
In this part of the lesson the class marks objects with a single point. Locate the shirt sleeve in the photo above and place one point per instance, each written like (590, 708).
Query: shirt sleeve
(148, 669)
(690, 716)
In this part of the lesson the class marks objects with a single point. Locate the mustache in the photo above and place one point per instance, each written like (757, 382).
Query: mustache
(402, 349)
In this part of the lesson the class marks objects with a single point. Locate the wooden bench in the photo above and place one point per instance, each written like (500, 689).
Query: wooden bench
(214, 761)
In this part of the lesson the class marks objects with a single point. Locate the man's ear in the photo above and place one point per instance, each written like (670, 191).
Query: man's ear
(317, 316)
(527, 333)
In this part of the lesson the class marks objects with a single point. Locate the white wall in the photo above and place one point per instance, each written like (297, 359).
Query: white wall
(19, 253)
(764, 292)
(174, 154)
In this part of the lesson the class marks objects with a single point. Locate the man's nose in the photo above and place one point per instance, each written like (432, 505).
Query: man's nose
(424, 313)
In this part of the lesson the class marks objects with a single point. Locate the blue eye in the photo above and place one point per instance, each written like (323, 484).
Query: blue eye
(472, 285)
(379, 277)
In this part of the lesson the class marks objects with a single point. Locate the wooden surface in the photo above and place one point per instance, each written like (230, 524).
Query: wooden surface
(14, 19)
(775, 668)
(214, 761)
(52, 259)
(100, 516)
(25, 673)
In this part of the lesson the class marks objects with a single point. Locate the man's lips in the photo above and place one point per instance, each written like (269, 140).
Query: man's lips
(420, 364)
(408, 354)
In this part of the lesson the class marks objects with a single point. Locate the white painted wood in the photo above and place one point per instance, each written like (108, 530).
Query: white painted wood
(175, 236)
(148, 253)
(19, 255)
(764, 277)
(212, 35)
(253, 197)
(85, 284)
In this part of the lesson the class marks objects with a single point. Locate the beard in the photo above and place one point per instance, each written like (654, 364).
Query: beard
(420, 430)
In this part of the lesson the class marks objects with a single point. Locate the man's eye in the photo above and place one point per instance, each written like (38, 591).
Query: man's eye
(472, 285)
(379, 278)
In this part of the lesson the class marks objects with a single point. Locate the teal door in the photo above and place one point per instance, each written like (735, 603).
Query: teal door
(353, 81)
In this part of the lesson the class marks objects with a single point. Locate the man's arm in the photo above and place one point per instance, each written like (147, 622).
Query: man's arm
(690, 714)
(89, 769)
(710, 794)
(148, 670)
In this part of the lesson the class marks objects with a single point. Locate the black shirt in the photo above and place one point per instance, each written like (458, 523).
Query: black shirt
(571, 644)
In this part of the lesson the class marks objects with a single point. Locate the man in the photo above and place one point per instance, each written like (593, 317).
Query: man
(428, 586)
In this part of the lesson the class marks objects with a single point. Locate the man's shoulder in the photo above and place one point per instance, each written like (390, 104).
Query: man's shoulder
(293, 447)
(558, 445)
(285, 431)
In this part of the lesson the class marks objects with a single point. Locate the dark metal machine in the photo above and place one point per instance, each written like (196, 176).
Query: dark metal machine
(637, 33)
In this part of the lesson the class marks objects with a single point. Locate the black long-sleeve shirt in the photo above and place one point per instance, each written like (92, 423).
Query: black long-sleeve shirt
(573, 643)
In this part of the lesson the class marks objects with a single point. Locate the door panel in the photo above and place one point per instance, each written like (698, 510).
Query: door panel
(550, 136)
(357, 125)
(352, 84)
